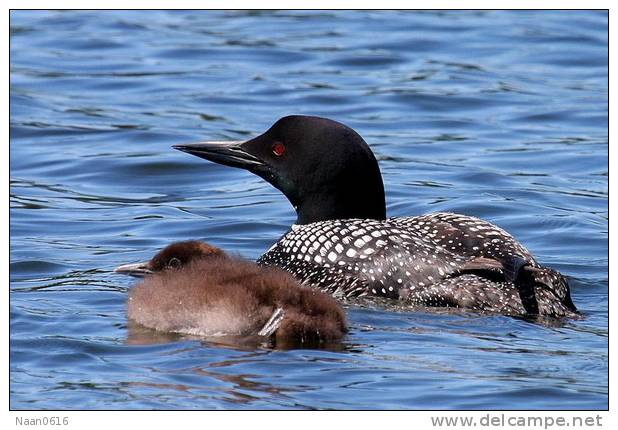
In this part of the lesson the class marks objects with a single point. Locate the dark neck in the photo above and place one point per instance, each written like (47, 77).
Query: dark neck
(358, 200)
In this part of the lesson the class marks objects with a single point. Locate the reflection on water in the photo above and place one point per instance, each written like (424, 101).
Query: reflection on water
(140, 335)
(500, 115)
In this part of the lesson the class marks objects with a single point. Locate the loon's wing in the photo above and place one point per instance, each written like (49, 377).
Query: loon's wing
(469, 291)
(357, 257)
(508, 268)
(465, 235)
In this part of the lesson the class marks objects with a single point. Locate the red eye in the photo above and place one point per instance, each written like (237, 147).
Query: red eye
(278, 149)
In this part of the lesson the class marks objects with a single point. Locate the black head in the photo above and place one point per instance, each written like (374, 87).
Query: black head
(324, 168)
(174, 256)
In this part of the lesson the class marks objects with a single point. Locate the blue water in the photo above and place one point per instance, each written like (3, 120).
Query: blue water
(501, 115)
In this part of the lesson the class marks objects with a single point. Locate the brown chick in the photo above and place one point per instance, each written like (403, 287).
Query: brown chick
(194, 288)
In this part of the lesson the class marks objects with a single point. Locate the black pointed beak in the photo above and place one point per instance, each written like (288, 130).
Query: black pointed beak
(227, 153)
(138, 270)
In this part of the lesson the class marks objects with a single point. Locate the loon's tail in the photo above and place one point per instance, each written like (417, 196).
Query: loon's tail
(553, 282)
(542, 291)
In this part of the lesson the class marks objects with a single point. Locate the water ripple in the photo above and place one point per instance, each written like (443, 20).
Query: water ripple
(498, 114)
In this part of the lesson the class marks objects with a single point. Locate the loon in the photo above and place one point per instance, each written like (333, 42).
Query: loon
(343, 243)
(195, 288)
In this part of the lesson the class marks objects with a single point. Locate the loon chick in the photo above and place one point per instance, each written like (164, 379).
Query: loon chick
(343, 243)
(194, 288)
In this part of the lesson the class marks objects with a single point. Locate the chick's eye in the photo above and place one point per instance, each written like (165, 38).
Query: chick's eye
(174, 263)
(278, 149)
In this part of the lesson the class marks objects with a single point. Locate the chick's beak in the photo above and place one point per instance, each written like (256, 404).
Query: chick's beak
(135, 269)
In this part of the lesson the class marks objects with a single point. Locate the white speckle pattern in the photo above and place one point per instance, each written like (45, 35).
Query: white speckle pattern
(441, 259)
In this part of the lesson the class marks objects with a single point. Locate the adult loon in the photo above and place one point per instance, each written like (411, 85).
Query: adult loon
(194, 288)
(343, 243)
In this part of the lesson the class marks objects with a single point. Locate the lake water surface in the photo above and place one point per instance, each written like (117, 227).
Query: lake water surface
(501, 115)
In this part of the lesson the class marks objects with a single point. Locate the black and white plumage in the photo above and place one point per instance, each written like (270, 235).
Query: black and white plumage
(433, 260)
(343, 243)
